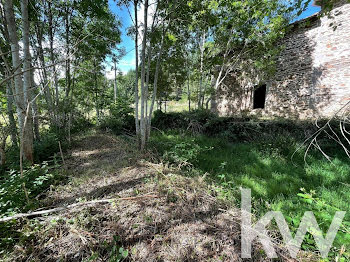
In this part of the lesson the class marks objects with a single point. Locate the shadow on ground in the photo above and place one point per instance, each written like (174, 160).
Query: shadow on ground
(173, 218)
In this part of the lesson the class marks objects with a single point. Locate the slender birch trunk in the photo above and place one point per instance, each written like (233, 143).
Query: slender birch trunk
(16, 62)
(35, 107)
(45, 81)
(27, 85)
(12, 121)
(52, 58)
(188, 90)
(96, 93)
(115, 82)
(68, 73)
(200, 96)
(21, 95)
(149, 56)
(155, 86)
(137, 123)
(143, 72)
(10, 83)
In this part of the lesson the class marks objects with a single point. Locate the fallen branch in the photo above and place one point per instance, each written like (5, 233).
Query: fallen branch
(59, 209)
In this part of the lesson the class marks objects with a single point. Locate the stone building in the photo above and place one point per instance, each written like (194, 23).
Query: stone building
(312, 78)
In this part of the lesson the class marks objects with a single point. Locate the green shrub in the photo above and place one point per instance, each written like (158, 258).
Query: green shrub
(324, 213)
(118, 125)
(165, 121)
(120, 118)
(46, 147)
(245, 129)
(80, 123)
(201, 116)
(183, 152)
(37, 179)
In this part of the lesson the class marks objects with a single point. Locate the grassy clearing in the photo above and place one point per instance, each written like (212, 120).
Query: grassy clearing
(194, 216)
(183, 222)
(268, 169)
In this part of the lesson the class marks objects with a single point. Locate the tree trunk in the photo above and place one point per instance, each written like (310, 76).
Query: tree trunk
(96, 93)
(16, 61)
(200, 96)
(27, 86)
(35, 108)
(155, 86)
(137, 123)
(115, 82)
(143, 72)
(45, 82)
(66, 100)
(52, 57)
(10, 83)
(68, 76)
(188, 92)
(21, 94)
(12, 121)
(2, 151)
(149, 56)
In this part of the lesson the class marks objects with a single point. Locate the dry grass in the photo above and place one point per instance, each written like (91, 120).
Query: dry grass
(186, 222)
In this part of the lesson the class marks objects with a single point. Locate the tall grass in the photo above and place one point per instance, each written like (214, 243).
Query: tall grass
(275, 173)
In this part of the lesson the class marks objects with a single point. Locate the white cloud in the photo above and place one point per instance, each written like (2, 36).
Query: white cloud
(130, 62)
(123, 66)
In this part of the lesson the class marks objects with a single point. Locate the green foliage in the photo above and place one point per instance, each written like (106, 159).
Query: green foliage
(324, 212)
(180, 120)
(44, 150)
(46, 147)
(268, 167)
(117, 252)
(247, 129)
(120, 117)
(121, 108)
(184, 153)
(165, 121)
(37, 179)
(80, 123)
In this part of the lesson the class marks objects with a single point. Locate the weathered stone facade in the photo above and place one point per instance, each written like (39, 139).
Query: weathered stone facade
(312, 78)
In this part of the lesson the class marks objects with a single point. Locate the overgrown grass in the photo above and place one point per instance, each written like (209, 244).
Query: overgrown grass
(274, 171)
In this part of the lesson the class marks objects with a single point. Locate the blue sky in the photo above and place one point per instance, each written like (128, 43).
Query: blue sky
(310, 11)
(128, 61)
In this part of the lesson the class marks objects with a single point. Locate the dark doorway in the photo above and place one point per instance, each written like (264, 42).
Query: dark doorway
(259, 97)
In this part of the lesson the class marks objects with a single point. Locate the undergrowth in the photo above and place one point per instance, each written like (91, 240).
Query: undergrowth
(276, 172)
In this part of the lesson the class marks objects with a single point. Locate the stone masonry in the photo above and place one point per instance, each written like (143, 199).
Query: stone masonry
(312, 78)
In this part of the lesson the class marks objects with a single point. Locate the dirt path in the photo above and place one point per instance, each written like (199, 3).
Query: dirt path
(185, 222)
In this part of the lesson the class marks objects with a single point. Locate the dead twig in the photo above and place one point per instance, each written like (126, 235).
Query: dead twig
(60, 209)
(59, 144)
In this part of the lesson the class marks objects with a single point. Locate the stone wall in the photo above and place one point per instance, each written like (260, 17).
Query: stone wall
(312, 77)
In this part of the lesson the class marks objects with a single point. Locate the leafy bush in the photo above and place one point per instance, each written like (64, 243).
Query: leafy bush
(201, 116)
(242, 129)
(120, 117)
(37, 179)
(46, 147)
(44, 150)
(324, 213)
(183, 153)
(171, 120)
(121, 108)
(80, 123)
